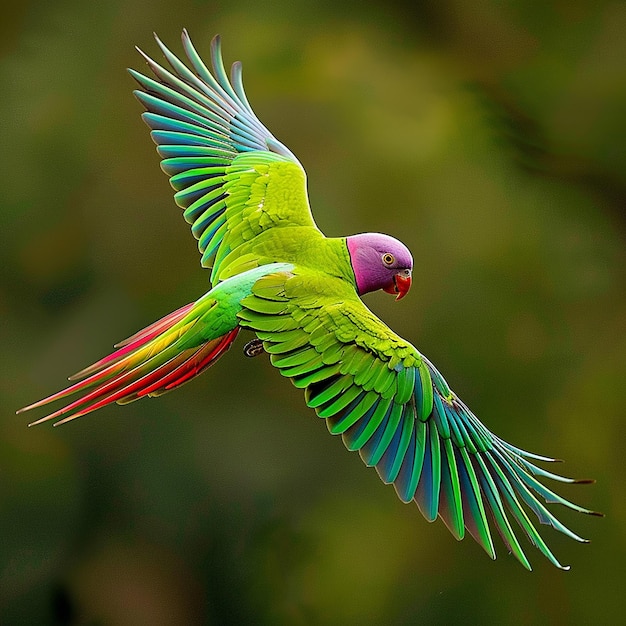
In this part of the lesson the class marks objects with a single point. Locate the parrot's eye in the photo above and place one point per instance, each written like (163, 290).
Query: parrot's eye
(388, 259)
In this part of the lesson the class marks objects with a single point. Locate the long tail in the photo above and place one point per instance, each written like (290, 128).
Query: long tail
(153, 361)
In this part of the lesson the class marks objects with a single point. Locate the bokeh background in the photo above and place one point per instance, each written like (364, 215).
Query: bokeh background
(489, 136)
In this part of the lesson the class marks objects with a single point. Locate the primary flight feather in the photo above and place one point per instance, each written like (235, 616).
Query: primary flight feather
(276, 274)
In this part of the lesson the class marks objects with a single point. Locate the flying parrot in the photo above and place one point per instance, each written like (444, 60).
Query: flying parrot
(275, 273)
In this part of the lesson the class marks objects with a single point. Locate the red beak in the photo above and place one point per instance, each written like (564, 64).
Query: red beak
(400, 285)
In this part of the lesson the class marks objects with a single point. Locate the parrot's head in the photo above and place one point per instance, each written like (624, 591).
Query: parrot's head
(380, 262)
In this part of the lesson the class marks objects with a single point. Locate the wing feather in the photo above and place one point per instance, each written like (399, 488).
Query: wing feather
(231, 176)
(390, 403)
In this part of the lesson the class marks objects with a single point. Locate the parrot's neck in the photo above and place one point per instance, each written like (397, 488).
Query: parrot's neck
(329, 255)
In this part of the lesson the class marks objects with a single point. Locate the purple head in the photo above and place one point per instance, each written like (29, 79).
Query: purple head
(380, 262)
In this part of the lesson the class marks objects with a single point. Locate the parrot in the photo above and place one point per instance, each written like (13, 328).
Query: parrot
(274, 273)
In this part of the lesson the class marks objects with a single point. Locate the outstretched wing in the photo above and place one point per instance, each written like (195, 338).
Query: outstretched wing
(389, 402)
(232, 177)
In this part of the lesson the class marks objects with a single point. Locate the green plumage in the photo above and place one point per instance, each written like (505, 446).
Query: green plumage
(275, 274)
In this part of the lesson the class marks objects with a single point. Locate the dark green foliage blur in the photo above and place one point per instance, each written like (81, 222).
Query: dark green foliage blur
(489, 136)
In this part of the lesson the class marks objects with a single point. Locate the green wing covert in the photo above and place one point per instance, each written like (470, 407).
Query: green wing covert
(232, 177)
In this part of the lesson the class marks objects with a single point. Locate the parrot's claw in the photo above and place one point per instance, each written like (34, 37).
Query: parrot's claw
(254, 347)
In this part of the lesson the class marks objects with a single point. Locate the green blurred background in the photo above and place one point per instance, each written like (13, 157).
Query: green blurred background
(489, 136)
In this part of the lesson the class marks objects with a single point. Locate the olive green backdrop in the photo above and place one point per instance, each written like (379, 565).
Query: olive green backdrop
(489, 136)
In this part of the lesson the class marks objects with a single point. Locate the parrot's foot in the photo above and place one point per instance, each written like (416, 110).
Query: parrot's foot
(254, 347)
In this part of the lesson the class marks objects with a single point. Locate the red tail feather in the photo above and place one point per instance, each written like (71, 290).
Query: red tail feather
(149, 363)
(135, 341)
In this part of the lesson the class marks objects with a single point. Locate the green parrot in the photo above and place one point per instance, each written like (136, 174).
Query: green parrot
(274, 273)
